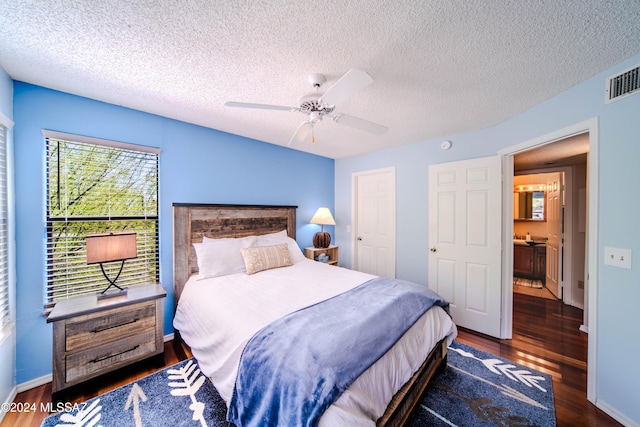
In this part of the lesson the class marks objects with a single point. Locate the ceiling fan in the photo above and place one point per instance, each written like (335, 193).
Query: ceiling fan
(318, 105)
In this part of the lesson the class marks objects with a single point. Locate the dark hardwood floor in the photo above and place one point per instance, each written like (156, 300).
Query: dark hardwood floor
(545, 337)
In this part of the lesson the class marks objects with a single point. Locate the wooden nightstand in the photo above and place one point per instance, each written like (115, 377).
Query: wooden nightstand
(332, 251)
(92, 337)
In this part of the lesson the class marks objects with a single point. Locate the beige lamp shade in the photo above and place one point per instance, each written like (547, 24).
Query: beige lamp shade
(111, 247)
(323, 216)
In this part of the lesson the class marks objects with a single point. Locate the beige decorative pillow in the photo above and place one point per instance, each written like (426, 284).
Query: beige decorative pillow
(281, 237)
(261, 258)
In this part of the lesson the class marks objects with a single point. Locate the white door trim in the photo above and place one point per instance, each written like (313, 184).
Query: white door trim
(591, 290)
(354, 211)
(506, 318)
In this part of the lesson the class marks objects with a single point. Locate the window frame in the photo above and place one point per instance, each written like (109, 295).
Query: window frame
(150, 262)
(6, 304)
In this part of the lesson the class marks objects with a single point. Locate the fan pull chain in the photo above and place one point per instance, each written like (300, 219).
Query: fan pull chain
(313, 137)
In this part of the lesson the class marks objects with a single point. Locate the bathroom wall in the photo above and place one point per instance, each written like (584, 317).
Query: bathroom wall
(537, 229)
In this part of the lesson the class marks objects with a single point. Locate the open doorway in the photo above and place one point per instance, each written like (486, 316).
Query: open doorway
(549, 250)
(590, 221)
(590, 323)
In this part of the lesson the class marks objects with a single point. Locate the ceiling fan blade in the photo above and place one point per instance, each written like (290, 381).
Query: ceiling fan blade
(361, 124)
(301, 134)
(260, 106)
(352, 82)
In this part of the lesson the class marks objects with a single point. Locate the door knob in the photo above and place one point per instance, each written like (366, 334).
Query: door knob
(433, 250)
(359, 238)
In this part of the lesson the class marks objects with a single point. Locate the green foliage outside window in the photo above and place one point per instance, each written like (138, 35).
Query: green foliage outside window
(96, 189)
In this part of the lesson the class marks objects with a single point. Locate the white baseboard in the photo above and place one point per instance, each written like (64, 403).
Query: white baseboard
(8, 402)
(613, 413)
(37, 382)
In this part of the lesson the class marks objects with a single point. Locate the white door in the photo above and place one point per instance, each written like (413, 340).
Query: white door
(554, 232)
(465, 227)
(375, 222)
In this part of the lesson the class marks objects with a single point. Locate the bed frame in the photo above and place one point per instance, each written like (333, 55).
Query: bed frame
(193, 221)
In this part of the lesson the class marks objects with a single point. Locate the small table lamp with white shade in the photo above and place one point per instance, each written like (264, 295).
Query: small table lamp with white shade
(323, 216)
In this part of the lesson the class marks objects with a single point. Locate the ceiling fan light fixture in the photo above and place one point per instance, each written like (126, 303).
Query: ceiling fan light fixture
(317, 104)
(315, 116)
(309, 103)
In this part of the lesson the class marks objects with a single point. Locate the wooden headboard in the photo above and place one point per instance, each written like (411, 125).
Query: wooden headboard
(192, 221)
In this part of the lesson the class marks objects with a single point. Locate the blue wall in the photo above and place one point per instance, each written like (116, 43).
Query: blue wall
(197, 165)
(618, 290)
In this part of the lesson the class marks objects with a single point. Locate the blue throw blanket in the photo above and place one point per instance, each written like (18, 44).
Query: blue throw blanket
(292, 370)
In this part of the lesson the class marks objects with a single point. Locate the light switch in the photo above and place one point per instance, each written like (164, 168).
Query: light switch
(617, 257)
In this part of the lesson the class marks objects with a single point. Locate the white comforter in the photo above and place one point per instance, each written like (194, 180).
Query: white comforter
(216, 317)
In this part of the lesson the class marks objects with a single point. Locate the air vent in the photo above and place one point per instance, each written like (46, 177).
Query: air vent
(623, 84)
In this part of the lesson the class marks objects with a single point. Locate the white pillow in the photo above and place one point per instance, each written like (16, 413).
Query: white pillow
(278, 237)
(219, 257)
(281, 237)
(259, 258)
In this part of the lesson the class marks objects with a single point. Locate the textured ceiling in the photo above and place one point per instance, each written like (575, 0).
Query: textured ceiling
(439, 67)
(568, 151)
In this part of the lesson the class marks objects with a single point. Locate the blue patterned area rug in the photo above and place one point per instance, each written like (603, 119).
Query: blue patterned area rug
(480, 389)
(476, 389)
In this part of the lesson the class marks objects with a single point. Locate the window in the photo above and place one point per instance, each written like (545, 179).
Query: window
(96, 186)
(5, 312)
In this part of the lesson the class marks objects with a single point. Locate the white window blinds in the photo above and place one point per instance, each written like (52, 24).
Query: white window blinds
(98, 188)
(5, 314)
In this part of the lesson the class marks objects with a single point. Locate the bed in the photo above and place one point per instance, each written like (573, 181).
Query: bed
(218, 313)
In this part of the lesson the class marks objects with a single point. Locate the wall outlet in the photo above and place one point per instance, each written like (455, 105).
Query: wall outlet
(617, 257)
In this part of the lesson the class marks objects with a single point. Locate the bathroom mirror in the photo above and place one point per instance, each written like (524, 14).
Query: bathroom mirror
(529, 206)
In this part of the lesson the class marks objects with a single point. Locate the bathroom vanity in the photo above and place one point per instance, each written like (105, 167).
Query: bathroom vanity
(529, 260)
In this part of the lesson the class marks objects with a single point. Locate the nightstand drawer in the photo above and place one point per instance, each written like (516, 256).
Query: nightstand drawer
(99, 328)
(107, 357)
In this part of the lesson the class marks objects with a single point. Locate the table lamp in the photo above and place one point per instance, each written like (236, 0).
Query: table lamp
(111, 247)
(323, 217)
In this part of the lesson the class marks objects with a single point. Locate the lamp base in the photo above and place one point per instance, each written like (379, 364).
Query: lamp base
(321, 239)
(120, 292)
(112, 294)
